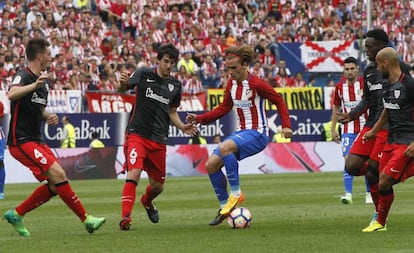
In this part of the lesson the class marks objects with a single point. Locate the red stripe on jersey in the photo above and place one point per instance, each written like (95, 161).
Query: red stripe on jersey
(239, 93)
(254, 111)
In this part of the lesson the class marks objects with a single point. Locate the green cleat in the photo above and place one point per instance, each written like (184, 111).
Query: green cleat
(17, 221)
(232, 202)
(93, 223)
(375, 227)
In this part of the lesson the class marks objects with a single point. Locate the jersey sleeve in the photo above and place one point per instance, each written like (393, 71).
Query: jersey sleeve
(220, 110)
(336, 99)
(265, 90)
(135, 78)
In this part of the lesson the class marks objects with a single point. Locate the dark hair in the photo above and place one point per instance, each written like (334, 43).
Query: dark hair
(168, 49)
(351, 60)
(378, 35)
(36, 46)
(94, 135)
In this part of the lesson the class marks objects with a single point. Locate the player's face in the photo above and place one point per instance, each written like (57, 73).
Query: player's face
(350, 72)
(372, 47)
(383, 68)
(165, 66)
(237, 70)
(45, 60)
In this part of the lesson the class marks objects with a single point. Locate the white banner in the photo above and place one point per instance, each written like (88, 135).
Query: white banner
(64, 101)
(326, 56)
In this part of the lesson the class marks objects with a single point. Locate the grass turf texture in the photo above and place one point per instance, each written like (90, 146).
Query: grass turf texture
(291, 213)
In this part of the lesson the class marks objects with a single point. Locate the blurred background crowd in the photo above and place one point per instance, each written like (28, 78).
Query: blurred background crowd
(92, 41)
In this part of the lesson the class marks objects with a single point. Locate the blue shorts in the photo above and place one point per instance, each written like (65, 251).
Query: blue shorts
(249, 142)
(347, 140)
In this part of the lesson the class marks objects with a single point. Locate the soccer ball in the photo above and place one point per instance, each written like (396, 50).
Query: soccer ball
(240, 218)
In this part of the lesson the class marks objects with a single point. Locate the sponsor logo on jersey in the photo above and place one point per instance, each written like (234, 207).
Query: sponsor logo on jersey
(150, 94)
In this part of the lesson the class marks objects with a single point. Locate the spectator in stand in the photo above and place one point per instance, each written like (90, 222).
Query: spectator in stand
(268, 61)
(298, 81)
(192, 85)
(209, 72)
(189, 64)
(282, 79)
(257, 69)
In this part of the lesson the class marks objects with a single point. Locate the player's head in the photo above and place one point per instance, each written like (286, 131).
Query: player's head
(238, 60)
(167, 58)
(376, 40)
(37, 49)
(387, 60)
(351, 69)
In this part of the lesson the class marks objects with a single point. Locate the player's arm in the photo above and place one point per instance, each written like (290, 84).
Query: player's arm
(362, 106)
(265, 90)
(128, 80)
(334, 119)
(18, 91)
(214, 114)
(187, 128)
(383, 119)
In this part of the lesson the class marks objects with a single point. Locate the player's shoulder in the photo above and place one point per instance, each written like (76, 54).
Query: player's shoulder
(21, 77)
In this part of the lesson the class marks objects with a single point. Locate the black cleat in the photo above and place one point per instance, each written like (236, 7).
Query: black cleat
(152, 213)
(218, 219)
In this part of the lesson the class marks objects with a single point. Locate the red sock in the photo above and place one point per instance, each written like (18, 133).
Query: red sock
(149, 195)
(65, 192)
(38, 197)
(128, 197)
(384, 205)
(364, 169)
(374, 194)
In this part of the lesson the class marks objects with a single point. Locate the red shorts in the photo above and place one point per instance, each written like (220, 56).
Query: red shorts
(38, 157)
(145, 154)
(371, 148)
(395, 164)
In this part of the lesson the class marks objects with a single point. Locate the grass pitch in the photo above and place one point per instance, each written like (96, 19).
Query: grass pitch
(291, 213)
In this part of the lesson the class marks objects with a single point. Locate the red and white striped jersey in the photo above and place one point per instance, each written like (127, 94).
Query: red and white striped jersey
(248, 99)
(347, 96)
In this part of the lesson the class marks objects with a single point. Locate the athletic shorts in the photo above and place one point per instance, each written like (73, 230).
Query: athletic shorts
(395, 164)
(38, 157)
(249, 142)
(347, 140)
(145, 154)
(372, 148)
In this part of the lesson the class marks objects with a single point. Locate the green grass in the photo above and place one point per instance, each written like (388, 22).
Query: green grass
(291, 213)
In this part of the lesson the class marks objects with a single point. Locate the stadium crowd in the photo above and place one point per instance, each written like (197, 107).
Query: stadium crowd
(92, 41)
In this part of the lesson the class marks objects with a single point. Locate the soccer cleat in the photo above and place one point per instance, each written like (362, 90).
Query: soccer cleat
(93, 223)
(347, 198)
(368, 198)
(152, 212)
(375, 227)
(125, 223)
(232, 202)
(218, 219)
(17, 221)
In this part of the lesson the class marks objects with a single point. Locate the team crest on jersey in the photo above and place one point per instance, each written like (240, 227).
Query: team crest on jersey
(170, 87)
(248, 93)
(17, 80)
(397, 93)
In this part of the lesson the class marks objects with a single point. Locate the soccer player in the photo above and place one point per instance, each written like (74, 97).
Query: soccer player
(246, 93)
(2, 147)
(28, 94)
(397, 157)
(348, 93)
(363, 158)
(157, 97)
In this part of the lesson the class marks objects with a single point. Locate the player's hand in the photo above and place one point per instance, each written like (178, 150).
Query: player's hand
(190, 129)
(52, 119)
(335, 137)
(410, 150)
(287, 132)
(42, 78)
(125, 75)
(368, 136)
(343, 117)
(191, 118)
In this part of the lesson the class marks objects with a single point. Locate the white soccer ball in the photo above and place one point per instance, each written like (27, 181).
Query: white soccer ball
(240, 218)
